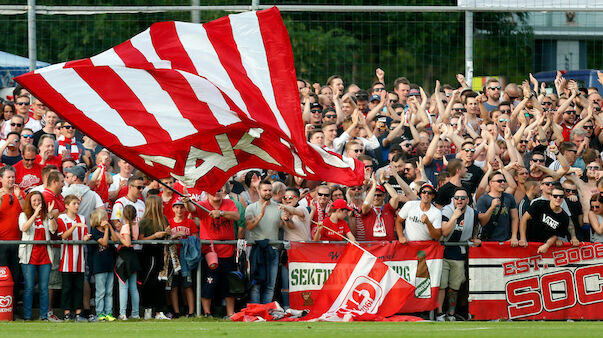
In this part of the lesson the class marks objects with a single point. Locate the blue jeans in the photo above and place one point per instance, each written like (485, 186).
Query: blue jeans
(265, 292)
(29, 274)
(104, 293)
(130, 285)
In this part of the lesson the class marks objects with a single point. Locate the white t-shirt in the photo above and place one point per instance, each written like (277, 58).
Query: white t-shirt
(116, 180)
(414, 229)
(120, 204)
(34, 125)
(302, 227)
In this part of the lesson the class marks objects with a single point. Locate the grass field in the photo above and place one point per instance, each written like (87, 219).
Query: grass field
(204, 328)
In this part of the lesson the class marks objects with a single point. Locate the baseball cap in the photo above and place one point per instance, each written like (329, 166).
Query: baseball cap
(77, 171)
(177, 202)
(375, 98)
(340, 204)
(427, 186)
(315, 105)
(381, 188)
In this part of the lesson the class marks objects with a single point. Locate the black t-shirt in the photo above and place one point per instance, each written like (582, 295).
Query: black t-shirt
(545, 223)
(472, 178)
(103, 258)
(576, 210)
(445, 194)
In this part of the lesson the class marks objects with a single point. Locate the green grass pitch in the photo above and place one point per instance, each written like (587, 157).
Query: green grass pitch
(214, 328)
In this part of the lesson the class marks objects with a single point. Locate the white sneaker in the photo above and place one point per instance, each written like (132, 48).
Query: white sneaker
(441, 318)
(148, 314)
(450, 318)
(161, 316)
(122, 317)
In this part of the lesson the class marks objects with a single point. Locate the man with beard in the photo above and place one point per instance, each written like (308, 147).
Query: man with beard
(378, 216)
(493, 90)
(422, 221)
(263, 221)
(459, 224)
(319, 207)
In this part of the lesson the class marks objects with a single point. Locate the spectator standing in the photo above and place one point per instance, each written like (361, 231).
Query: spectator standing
(103, 258)
(497, 211)
(422, 220)
(128, 266)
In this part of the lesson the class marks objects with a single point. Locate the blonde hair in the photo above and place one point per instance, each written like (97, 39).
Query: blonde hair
(154, 213)
(97, 217)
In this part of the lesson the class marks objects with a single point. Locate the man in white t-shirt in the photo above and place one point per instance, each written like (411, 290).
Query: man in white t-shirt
(135, 186)
(422, 220)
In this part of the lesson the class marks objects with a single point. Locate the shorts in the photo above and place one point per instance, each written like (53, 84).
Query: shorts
(215, 282)
(54, 280)
(453, 274)
(177, 280)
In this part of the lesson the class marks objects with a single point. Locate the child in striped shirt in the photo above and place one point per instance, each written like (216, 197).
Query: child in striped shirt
(72, 227)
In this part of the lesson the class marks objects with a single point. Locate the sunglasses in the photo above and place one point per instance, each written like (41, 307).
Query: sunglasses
(570, 112)
(513, 98)
(378, 195)
(460, 198)
(570, 191)
(595, 206)
(503, 120)
(27, 136)
(22, 103)
(505, 111)
(502, 180)
(539, 160)
(547, 103)
(587, 127)
(548, 183)
(592, 167)
(140, 187)
(323, 195)
(329, 116)
(494, 88)
(523, 141)
(469, 150)
(315, 111)
(12, 124)
(288, 197)
(558, 196)
(459, 109)
(358, 150)
(429, 192)
(528, 115)
(67, 127)
(405, 145)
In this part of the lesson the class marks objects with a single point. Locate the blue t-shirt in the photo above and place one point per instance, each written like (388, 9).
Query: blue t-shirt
(103, 258)
(499, 225)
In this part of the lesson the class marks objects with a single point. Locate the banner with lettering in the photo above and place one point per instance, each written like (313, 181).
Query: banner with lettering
(310, 265)
(520, 283)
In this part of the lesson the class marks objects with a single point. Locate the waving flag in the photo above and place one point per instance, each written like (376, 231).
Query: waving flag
(197, 102)
(360, 287)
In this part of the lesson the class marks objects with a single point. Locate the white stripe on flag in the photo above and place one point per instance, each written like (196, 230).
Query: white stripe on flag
(144, 44)
(247, 35)
(156, 101)
(363, 267)
(56, 66)
(75, 90)
(208, 93)
(107, 58)
(203, 56)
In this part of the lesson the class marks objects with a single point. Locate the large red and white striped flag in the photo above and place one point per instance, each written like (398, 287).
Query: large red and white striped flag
(361, 287)
(198, 102)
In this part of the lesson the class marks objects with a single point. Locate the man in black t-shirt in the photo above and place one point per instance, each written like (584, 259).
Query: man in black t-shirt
(474, 173)
(545, 220)
(456, 170)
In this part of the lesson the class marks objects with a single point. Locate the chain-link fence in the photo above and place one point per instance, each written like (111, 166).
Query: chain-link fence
(421, 45)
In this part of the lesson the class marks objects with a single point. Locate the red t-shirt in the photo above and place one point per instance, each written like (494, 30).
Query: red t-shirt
(217, 228)
(566, 131)
(54, 160)
(341, 227)
(28, 178)
(9, 218)
(39, 253)
(58, 199)
(168, 211)
(382, 230)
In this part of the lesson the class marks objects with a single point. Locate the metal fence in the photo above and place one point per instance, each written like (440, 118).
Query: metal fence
(349, 37)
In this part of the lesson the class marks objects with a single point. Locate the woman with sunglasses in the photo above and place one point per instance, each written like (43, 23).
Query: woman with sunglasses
(595, 217)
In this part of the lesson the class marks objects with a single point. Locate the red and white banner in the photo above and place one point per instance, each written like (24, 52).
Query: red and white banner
(361, 287)
(519, 283)
(196, 102)
(311, 264)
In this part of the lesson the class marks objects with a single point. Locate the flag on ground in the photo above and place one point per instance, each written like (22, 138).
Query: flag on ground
(361, 287)
(198, 102)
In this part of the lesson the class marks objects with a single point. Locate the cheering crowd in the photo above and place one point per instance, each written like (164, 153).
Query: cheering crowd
(512, 163)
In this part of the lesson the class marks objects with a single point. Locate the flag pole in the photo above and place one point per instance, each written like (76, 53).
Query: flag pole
(345, 238)
(182, 195)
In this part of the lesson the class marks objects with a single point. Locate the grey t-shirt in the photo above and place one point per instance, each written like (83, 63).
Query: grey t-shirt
(501, 218)
(269, 225)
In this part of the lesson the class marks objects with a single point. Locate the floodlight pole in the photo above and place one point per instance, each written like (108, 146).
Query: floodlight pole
(469, 48)
(31, 34)
(195, 13)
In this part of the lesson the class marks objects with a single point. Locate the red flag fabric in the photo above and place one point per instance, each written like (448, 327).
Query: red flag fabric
(101, 187)
(197, 102)
(361, 287)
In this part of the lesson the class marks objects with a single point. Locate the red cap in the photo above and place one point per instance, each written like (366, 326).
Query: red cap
(340, 204)
(381, 188)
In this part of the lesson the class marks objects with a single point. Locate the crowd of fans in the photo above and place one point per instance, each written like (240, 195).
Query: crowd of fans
(512, 163)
